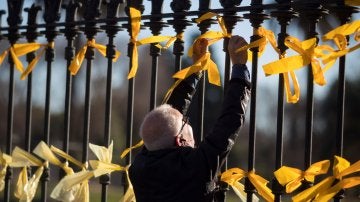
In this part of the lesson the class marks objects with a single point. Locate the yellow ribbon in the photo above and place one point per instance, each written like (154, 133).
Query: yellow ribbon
(5, 160)
(129, 195)
(18, 50)
(352, 2)
(308, 51)
(75, 192)
(202, 64)
(205, 62)
(170, 41)
(103, 165)
(75, 185)
(127, 150)
(44, 152)
(135, 16)
(79, 57)
(33, 63)
(233, 175)
(292, 177)
(338, 36)
(221, 23)
(60, 192)
(266, 36)
(26, 188)
(324, 191)
(66, 156)
(307, 56)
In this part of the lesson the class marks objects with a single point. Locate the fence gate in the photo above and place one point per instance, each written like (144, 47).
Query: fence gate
(50, 95)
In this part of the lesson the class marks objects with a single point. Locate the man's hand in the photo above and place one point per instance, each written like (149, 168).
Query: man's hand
(199, 49)
(236, 42)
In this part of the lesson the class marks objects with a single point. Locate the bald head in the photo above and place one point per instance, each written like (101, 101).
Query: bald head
(160, 127)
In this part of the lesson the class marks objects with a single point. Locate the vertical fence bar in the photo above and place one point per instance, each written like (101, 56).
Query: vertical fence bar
(311, 11)
(111, 29)
(14, 19)
(91, 12)
(156, 24)
(344, 13)
(70, 31)
(230, 18)
(203, 27)
(284, 15)
(31, 35)
(51, 15)
(131, 85)
(179, 23)
(256, 17)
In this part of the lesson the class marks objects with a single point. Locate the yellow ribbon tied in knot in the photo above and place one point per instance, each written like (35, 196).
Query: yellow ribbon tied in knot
(33, 63)
(170, 40)
(26, 188)
(232, 177)
(66, 190)
(202, 64)
(5, 160)
(46, 153)
(326, 189)
(339, 37)
(78, 184)
(293, 177)
(205, 62)
(308, 54)
(135, 17)
(266, 36)
(103, 165)
(18, 50)
(79, 57)
(214, 36)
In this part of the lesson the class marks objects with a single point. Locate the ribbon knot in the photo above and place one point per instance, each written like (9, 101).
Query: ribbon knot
(103, 165)
(202, 64)
(18, 50)
(79, 57)
(26, 188)
(34, 62)
(326, 189)
(339, 37)
(308, 54)
(232, 177)
(292, 177)
(135, 18)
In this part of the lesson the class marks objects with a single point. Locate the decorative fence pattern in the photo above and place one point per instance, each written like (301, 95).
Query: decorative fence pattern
(98, 20)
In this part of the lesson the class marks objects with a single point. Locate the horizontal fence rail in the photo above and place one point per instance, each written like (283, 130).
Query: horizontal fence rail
(64, 44)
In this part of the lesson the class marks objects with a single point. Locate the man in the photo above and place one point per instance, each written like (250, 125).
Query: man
(169, 167)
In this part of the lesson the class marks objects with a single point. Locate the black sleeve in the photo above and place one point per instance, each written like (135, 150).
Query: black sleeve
(220, 140)
(183, 93)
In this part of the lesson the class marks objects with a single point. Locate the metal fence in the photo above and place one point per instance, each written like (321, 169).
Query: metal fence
(98, 20)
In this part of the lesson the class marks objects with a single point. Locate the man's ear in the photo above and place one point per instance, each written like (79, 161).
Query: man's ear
(179, 141)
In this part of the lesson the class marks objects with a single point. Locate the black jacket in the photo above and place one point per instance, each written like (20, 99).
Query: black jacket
(183, 173)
